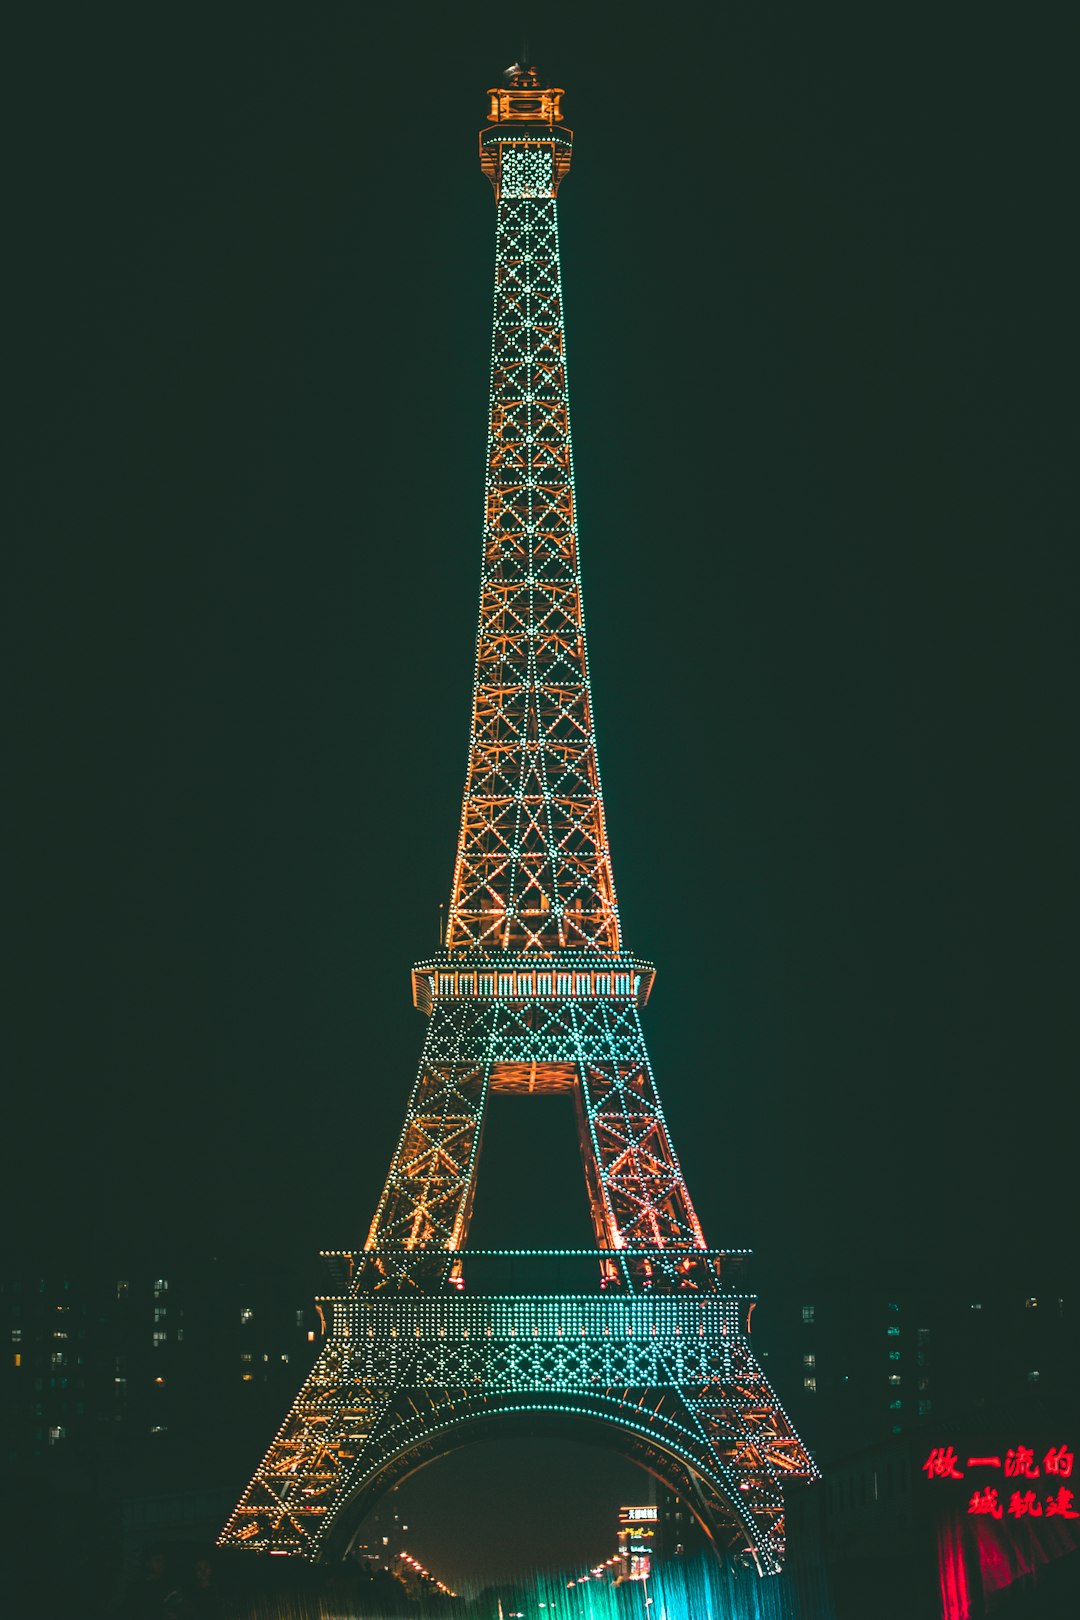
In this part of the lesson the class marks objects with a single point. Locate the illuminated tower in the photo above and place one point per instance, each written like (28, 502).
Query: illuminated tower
(531, 992)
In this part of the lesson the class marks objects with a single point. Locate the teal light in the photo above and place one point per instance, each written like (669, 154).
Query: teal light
(682, 1589)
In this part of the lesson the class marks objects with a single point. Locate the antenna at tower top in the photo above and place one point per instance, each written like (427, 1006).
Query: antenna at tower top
(520, 75)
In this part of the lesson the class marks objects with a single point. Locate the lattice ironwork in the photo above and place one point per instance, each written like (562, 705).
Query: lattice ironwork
(531, 992)
(533, 869)
(671, 1373)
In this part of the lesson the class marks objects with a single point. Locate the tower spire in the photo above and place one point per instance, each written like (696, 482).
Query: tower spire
(533, 869)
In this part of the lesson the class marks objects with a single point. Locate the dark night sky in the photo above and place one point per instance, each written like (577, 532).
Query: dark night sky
(819, 294)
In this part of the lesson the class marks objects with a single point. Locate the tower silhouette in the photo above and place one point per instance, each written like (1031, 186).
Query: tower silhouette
(646, 1338)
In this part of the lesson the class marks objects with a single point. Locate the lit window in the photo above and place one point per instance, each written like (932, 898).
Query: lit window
(1033, 1376)
(299, 1319)
(247, 1378)
(808, 1313)
(160, 1287)
(894, 1406)
(16, 1335)
(159, 1337)
(892, 1332)
(246, 1356)
(892, 1306)
(925, 1408)
(310, 1337)
(56, 1434)
(922, 1335)
(121, 1290)
(809, 1360)
(894, 1378)
(894, 1355)
(976, 1307)
(160, 1311)
(810, 1384)
(1031, 1304)
(18, 1358)
(246, 1315)
(284, 1358)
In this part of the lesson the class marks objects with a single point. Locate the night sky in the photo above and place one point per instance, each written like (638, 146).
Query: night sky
(819, 286)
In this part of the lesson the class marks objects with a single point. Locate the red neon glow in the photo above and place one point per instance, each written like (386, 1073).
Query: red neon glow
(952, 1570)
(941, 1464)
(1000, 1563)
(998, 1537)
(1060, 1505)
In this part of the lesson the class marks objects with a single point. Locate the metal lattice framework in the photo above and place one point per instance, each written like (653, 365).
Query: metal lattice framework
(533, 868)
(531, 992)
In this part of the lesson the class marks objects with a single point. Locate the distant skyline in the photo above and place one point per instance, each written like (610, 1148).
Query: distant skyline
(817, 303)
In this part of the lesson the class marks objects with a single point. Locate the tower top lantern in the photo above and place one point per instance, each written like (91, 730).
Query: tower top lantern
(522, 100)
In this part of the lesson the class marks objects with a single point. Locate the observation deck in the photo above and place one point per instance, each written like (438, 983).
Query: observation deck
(491, 976)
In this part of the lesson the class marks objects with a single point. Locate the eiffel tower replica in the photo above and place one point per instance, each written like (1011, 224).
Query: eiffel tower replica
(645, 1339)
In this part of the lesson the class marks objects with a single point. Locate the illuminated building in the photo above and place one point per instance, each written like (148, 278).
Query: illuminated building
(639, 1534)
(655, 1532)
(532, 992)
(125, 1362)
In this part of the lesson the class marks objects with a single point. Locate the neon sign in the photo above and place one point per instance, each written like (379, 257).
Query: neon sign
(1006, 1514)
(1021, 1462)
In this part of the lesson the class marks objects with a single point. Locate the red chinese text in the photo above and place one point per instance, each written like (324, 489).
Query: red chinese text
(941, 1464)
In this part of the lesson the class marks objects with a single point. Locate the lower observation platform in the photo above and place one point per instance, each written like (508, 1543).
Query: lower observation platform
(416, 1361)
(537, 1344)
